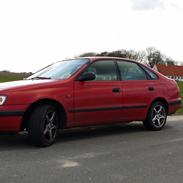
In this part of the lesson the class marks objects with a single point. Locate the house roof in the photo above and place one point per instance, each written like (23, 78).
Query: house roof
(170, 70)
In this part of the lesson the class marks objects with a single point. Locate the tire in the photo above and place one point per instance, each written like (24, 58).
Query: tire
(43, 125)
(156, 118)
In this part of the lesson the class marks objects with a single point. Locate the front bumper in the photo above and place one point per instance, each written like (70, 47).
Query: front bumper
(11, 117)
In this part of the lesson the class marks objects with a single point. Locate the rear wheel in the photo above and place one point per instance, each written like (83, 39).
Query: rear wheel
(43, 125)
(156, 118)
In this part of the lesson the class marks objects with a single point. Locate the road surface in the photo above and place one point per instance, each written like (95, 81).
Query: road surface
(111, 154)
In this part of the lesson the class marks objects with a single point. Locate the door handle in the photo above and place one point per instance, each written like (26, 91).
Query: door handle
(116, 90)
(151, 88)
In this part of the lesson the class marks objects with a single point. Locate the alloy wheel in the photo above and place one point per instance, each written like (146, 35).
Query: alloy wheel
(159, 116)
(50, 128)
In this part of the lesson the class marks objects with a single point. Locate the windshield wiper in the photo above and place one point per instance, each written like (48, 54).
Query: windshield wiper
(39, 77)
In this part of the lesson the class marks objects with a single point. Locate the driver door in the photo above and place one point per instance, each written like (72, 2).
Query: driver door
(98, 101)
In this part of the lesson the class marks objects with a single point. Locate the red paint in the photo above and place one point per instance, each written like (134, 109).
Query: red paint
(75, 95)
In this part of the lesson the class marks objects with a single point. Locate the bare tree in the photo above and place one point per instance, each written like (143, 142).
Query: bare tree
(88, 54)
(151, 56)
(154, 56)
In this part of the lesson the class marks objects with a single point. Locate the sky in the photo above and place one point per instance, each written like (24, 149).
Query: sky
(36, 33)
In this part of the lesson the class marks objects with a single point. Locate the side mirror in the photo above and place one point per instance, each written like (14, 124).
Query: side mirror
(87, 76)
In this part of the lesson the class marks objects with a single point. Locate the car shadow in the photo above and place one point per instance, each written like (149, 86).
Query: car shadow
(99, 131)
(20, 141)
(16, 141)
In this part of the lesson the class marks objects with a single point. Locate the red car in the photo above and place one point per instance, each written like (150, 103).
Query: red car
(84, 92)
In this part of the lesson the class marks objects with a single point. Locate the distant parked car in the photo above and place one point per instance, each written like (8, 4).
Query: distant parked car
(84, 92)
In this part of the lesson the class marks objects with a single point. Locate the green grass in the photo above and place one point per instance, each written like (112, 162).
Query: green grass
(180, 111)
(9, 76)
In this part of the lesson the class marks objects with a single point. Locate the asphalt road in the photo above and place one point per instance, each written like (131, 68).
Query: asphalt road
(112, 154)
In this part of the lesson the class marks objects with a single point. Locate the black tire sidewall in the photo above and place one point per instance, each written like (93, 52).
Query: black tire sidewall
(37, 125)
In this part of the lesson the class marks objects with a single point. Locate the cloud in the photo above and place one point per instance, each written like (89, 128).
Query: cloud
(146, 4)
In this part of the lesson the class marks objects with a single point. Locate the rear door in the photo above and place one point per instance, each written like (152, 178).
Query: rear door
(98, 101)
(137, 90)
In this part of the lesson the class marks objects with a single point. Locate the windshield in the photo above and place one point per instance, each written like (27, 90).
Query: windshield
(60, 70)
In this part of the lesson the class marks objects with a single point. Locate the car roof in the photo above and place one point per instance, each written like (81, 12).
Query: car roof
(95, 58)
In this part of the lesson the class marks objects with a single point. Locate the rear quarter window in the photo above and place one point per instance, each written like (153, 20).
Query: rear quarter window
(152, 75)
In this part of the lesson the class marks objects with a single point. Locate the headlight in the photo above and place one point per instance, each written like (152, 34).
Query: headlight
(2, 100)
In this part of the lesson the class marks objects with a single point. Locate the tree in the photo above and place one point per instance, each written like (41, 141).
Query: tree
(88, 54)
(131, 54)
(141, 56)
(154, 56)
(170, 61)
(103, 53)
(151, 56)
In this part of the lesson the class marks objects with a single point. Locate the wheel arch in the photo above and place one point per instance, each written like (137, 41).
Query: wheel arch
(160, 99)
(58, 106)
(148, 122)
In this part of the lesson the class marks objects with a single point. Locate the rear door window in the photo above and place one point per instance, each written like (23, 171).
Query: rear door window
(131, 71)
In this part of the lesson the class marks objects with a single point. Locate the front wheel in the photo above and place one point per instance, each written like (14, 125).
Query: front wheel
(43, 125)
(156, 118)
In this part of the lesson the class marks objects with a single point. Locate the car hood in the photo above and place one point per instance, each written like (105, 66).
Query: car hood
(22, 84)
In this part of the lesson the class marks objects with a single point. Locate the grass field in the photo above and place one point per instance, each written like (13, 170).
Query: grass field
(180, 111)
(10, 76)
